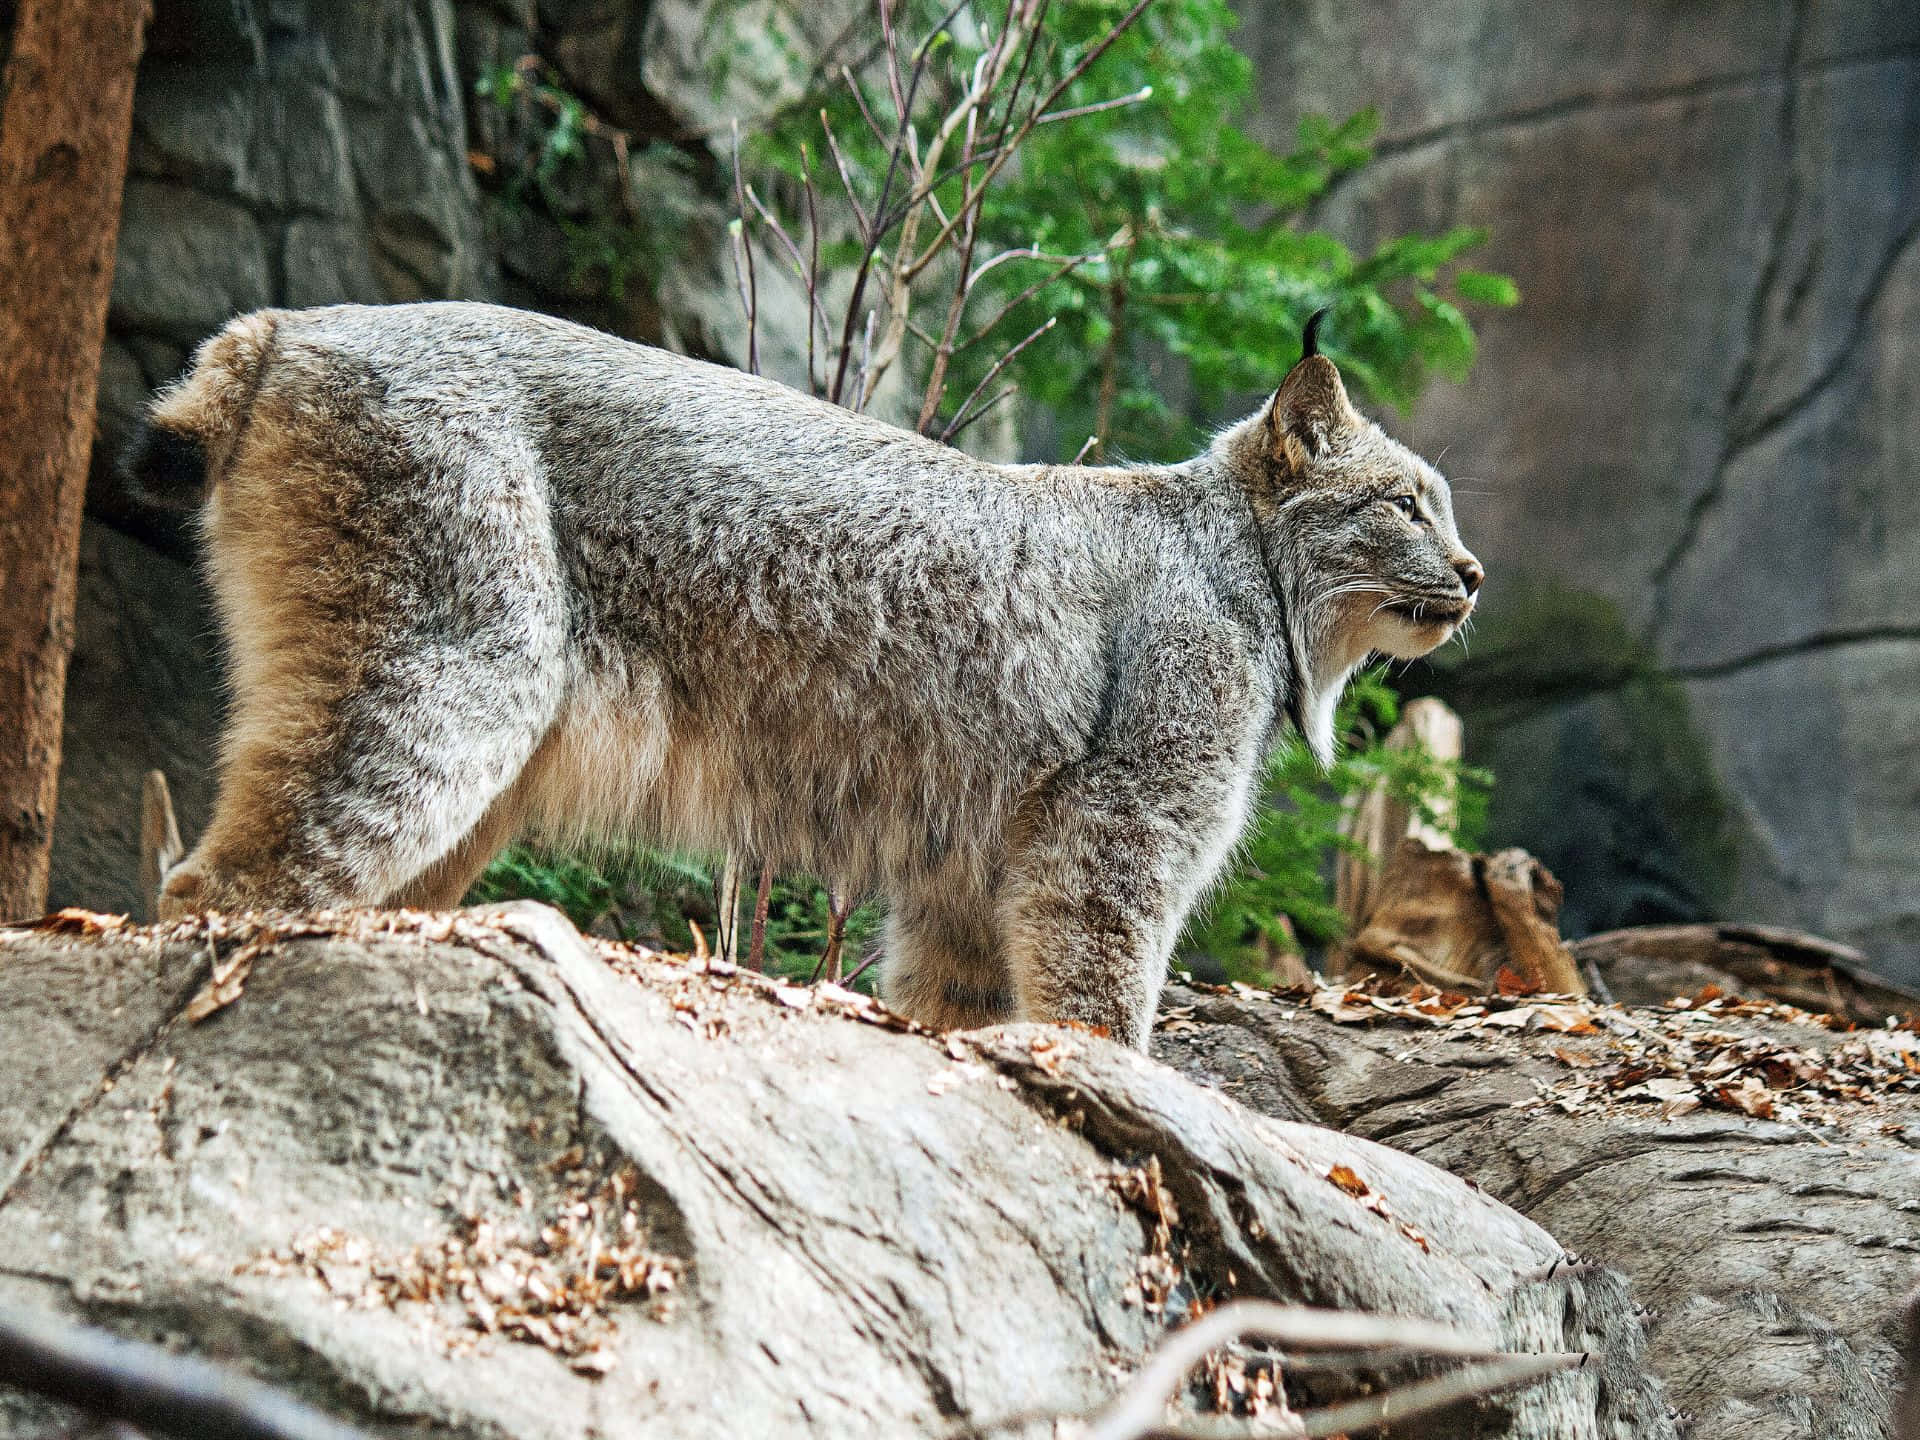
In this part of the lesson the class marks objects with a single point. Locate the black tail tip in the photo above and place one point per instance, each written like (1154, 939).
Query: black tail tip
(164, 469)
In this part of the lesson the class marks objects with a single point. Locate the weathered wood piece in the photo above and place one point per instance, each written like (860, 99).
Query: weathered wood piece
(1418, 906)
(1454, 920)
(1379, 823)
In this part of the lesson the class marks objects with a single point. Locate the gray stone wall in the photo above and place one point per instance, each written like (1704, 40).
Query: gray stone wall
(1689, 454)
(284, 152)
(1686, 456)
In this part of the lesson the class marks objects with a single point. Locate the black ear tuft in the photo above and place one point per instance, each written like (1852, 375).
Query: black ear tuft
(1310, 337)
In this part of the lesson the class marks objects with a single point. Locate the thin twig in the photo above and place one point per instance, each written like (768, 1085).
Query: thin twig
(1072, 264)
(961, 422)
(815, 384)
(958, 416)
(860, 99)
(762, 900)
(1145, 92)
(846, 178)
(1137, 1410)
(1404, 1402)
(743, 261)
(1086, 445)
(805, 271)
(149, 1387)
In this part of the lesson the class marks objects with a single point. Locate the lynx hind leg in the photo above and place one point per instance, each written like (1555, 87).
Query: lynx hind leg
(944, 965)
(388, 688)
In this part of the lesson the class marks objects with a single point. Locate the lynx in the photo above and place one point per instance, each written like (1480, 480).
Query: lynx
(482, 572)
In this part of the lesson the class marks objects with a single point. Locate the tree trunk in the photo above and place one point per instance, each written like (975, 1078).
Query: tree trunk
(63, 156)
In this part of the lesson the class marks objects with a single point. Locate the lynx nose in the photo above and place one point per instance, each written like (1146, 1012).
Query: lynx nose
(1471, 573)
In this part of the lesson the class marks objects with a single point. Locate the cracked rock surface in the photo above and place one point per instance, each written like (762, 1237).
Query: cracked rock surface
(366, 1175)
(1772, 1255)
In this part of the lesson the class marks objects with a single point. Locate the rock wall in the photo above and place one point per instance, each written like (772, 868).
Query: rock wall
(312, 152)
(1687, 457)
(1684, 456)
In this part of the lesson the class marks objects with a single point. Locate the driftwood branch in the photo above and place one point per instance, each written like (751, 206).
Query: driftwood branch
(1335, 1337)
(149, 1387)
(1140, 1409)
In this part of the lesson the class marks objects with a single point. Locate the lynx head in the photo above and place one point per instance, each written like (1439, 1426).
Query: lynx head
(1358, 532)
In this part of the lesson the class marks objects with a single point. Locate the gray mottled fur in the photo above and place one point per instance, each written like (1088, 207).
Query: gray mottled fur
(483, 571)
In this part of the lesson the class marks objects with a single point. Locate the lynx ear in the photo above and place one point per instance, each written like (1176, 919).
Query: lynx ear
(1310, 410)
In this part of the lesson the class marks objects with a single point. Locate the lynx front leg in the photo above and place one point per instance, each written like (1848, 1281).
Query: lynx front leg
(1113, 851)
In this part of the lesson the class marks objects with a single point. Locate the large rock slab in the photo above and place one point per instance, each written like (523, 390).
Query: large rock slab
(641, 1196)
(1773, 1248)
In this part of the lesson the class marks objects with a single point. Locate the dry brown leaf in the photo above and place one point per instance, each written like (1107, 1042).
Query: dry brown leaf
(1511, 982)
(1348, 1180)
(1567, 1019)
(75, 921)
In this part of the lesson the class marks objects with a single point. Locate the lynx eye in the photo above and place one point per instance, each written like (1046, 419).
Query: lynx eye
(1407, 506)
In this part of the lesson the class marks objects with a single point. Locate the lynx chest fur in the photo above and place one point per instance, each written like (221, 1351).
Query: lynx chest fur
(482, 571)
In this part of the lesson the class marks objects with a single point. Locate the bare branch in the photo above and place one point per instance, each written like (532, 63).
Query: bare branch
(1085, 446)
(762, 900)
(943, 352)
(1066, 262)
(846, 179)
(749, 296)
(1034, 116)
(154, 1389)
(1086, 61)
(960, 415)
(743, 261)
(1468, 1383)
(963, 120)
(813, 267)
(860, 99)
(1072, 264)
(1137, 1410)
(963, 420)
(864, 270)
(806, 271)
(866, 362)
(1145, 92)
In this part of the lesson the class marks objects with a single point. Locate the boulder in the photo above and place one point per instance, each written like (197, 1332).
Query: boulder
(1750, 1167)
(475, 1175)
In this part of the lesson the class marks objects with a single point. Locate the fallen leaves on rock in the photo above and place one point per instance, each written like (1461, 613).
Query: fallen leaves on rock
(551, 1284)
(1348, 1180)
(1679, 1056)
(1144, 1188)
